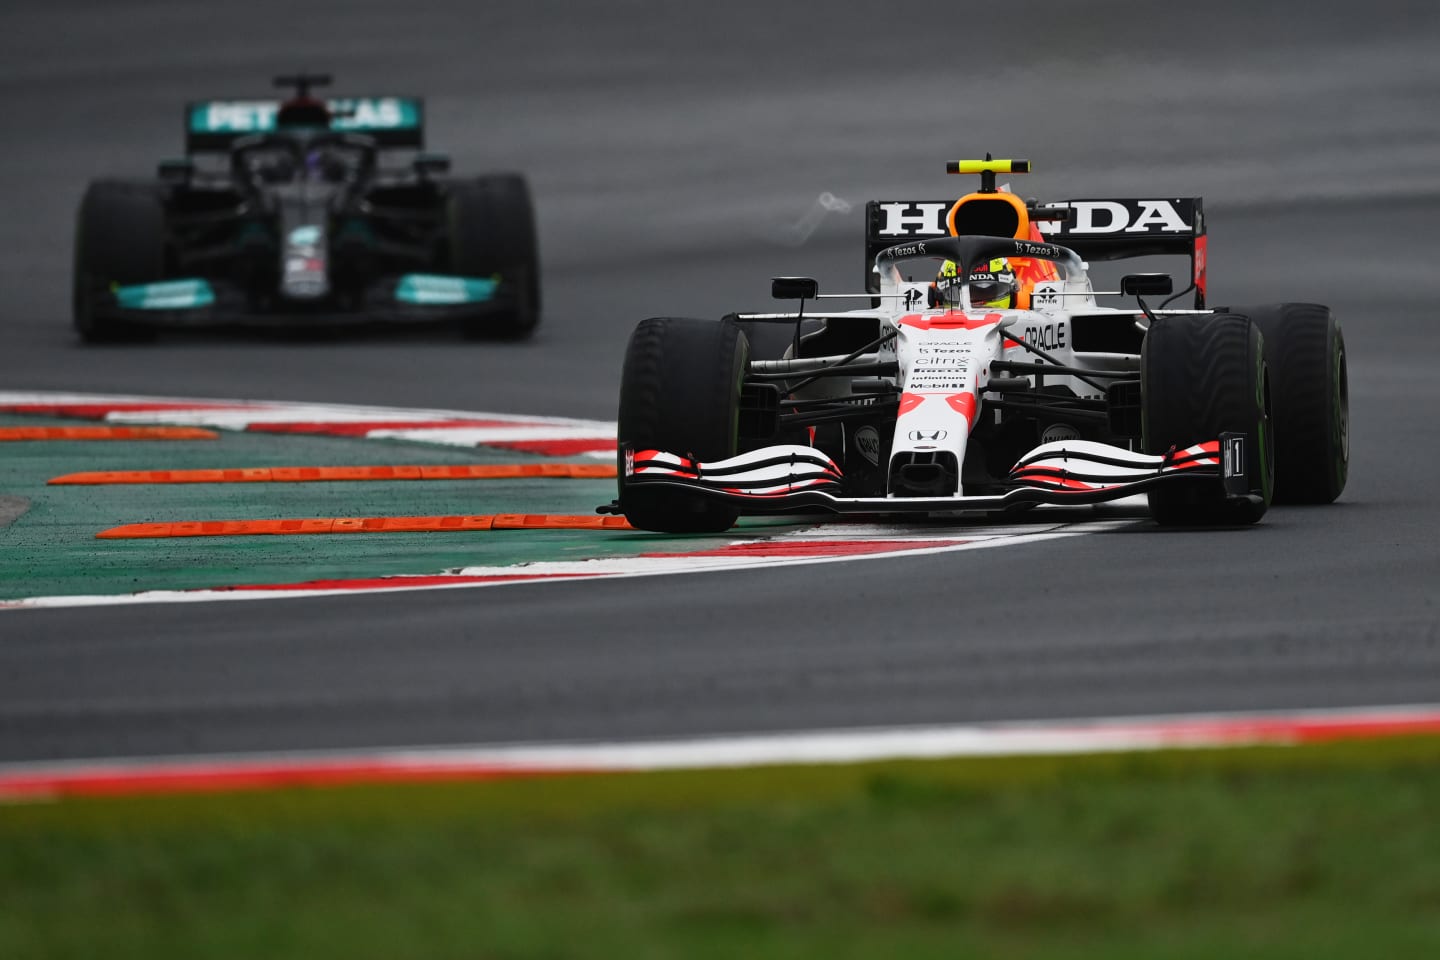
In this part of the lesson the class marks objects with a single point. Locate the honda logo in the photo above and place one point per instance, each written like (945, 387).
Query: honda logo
(931, 435)
(1119, 216)
(913, 219)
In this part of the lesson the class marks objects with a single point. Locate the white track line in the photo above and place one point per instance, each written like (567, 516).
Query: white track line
(1095, 735)
(240, 414)
(609, 568)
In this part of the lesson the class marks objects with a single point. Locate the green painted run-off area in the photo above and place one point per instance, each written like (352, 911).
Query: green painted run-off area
(49, 548)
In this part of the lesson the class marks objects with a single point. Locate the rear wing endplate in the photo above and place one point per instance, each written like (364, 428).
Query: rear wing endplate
(212, 125)
(1097, 230)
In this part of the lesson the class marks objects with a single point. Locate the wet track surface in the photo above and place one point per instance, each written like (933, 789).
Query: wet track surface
(671, 152)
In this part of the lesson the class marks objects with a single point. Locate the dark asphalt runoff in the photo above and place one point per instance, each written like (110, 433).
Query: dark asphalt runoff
(676, 153)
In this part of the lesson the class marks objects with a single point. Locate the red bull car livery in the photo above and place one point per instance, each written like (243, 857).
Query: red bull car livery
(1001, 389)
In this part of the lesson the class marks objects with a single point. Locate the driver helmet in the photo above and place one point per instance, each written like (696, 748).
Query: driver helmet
(992, 285)
(303, 113)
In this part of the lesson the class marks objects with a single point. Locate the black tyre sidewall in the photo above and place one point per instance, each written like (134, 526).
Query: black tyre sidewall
(680, 393)
(1203, 375)
(490, 226)
(119, 238)
(1305, 349)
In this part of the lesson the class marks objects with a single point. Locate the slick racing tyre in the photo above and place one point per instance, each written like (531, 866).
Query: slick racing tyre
(680, 393)
(119, 239)
(491, 231)
(1200, 376)
(1305, 350)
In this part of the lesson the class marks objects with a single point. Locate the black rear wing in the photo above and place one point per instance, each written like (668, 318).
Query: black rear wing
(1095, 229)
(212, 125)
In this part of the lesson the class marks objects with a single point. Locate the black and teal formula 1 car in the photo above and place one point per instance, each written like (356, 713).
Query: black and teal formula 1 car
(301, 211)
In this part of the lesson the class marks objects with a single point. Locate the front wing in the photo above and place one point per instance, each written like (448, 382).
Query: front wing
(790, 478)
(197, 302)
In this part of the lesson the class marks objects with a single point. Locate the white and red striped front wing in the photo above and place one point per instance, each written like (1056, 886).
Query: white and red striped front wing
(792, 477)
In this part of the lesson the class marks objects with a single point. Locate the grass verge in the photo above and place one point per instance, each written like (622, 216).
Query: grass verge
(1306, 852)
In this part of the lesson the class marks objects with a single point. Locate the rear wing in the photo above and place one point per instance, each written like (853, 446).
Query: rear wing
(212, 125)
(1095, 229)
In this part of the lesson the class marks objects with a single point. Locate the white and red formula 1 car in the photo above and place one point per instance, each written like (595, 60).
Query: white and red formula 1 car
(935, 400)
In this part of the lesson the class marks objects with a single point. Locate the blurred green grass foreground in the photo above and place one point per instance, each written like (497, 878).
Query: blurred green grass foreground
(1303, 852)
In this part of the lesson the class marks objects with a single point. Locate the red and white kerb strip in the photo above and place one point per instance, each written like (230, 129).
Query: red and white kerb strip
(548, 436)
(162, 775)
(840, 542)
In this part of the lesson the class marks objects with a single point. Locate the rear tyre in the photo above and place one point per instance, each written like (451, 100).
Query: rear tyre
(1305, 350)
(1200, 376)
(119, 239)
(491, 227)
(680, 393)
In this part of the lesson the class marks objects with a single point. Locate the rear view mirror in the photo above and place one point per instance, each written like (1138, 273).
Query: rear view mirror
(1146, 284)
(794, 288)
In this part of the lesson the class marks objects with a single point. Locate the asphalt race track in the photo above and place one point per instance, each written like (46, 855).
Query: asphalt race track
(673, 149)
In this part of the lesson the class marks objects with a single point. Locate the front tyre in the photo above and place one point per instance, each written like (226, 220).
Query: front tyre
(119, 239)
(490, 223)
(680, 393)
(1200, 376)
(1305, 350)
